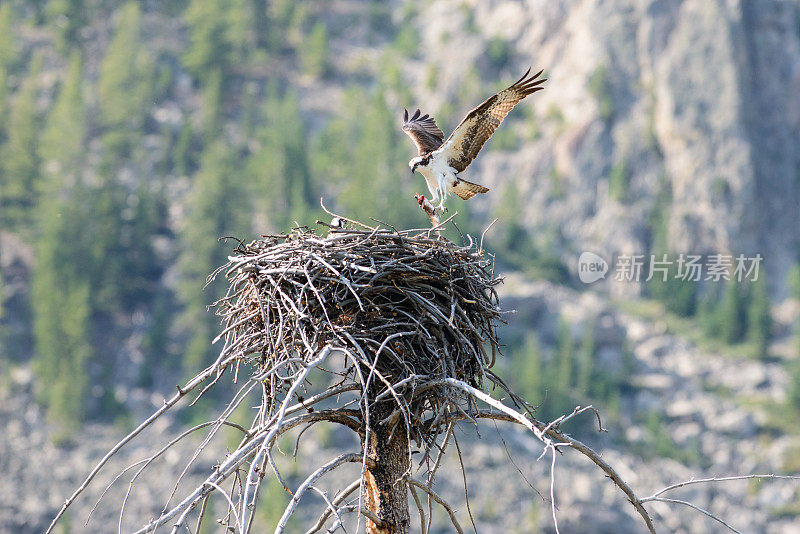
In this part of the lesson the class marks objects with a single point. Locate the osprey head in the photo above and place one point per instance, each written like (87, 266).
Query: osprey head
(416, 162)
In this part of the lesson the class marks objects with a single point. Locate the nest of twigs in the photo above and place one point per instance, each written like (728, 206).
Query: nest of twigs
(408, 307)
(403, 323)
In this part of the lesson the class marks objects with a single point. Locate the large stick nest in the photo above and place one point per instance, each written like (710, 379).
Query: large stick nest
(409, 308)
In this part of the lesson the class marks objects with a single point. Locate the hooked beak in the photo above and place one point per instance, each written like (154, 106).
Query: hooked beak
(413, 169)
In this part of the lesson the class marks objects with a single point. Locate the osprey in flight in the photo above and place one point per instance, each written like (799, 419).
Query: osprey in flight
(440, 161)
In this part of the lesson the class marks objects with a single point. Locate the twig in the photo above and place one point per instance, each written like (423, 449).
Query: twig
(336, 501)
(182, 392)
(716, 479)
(330, 466)
(695, 507)
(442, 502)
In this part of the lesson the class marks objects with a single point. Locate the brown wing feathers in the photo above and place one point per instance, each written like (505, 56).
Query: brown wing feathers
(480, 123)
(423, 131)
(466, 190)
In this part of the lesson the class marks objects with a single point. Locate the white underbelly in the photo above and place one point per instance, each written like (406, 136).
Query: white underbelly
(430, 179)
(442, 172)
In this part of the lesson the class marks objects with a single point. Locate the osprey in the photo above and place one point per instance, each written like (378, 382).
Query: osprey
(440, 161)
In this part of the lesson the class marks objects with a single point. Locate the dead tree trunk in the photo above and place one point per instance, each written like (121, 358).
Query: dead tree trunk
(385, 487)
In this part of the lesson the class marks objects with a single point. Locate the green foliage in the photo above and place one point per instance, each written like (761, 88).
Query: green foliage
(212, 105)
(528, 371)
(707, 314)
(315, 51)
(217, 31)
(532, 124)
(661, 444)
(184, 162)
(499, 51)
(4, 105)
(619, 181)
(556, 184)
(122, 224)
(60, 297)
(431, 77)
(585, 363)
(280, 164)
(125, 84)
(558, 380)
(600, 87)
(372, 166)
(407, 40)
(733, 314)
(7, 35)
(738, 312)
(759, 319)
(505, 138)
(19, 156)
(379, 16)
(261, 23)
(794, 284)
(556, 116)
(61, 142)
(678, 295)
(271, 504)
(67, 17)
(516, 246)
(565, 368)
(215, 209)
(793, 394)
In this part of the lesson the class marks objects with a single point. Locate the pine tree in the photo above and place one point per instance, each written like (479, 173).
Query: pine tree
(261, 23)
(733, 314)
(215, 209)
(60, 294)
(565, 354)
(125, 84)
(281, 164)
(586, 355)
(68, 17)
(7, 35)
(315, 51)
(183, 150)
(60, 299)
(759, 320)
(63, 135)
(514, 239)
(619, 181)
(4, 107)
(793, 394)
(377, 179)
(7, 56)
(212, 105)
(528, 371)
(217, 31)
(19, 156)
(562, 379)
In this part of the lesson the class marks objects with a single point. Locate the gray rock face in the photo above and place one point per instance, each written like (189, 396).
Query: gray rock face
(698, 97)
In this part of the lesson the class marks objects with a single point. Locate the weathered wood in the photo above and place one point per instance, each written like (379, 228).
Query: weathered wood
(385, 486)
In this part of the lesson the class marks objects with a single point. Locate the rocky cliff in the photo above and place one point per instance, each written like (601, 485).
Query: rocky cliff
(697, 98)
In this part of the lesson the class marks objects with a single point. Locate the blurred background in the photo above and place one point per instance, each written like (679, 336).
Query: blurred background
(134, 134)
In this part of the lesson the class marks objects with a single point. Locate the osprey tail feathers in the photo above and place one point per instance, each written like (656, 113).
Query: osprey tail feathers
(464, 189)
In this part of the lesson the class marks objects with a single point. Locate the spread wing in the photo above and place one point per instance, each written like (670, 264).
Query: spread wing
(478, 126)
(466, 190)
(423, 131)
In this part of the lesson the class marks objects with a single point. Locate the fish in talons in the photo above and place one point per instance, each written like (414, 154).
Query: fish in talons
(432, 211)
